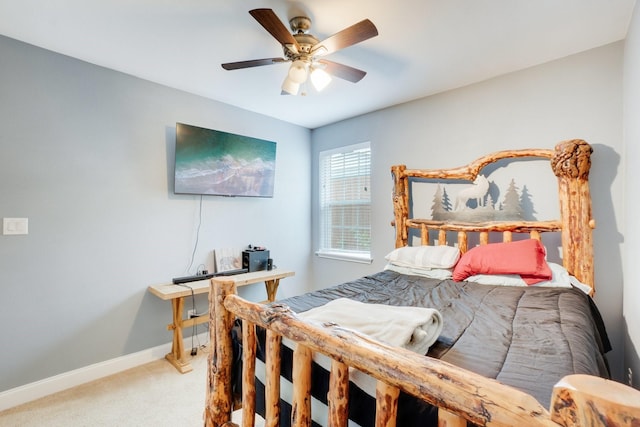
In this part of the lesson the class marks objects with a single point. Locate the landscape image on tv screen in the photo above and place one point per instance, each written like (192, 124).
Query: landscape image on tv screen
(223, 164)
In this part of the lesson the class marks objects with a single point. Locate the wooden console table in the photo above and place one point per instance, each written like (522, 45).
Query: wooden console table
(177, 294)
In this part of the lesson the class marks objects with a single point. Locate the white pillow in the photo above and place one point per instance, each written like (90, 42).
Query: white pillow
(431, 273)
(497, 279)
(560, 279)
(424, 256)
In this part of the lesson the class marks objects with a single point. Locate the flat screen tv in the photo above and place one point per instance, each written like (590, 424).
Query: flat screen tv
(218, 163)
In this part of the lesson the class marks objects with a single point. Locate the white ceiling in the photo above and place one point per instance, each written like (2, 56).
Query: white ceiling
(423, 47)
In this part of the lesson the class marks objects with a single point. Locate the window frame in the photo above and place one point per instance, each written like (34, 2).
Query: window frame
(325, 250)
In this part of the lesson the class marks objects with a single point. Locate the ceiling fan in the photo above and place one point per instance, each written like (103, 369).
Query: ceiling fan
(305, 51)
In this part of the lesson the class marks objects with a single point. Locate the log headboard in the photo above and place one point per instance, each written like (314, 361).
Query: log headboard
(570, 162)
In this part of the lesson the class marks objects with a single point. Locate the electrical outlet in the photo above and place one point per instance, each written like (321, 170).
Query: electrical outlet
(191, 313)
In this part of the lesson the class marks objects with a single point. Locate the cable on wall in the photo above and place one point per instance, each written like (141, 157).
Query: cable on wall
(195, 245)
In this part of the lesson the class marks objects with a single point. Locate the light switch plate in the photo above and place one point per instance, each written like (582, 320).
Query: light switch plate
(15, 225)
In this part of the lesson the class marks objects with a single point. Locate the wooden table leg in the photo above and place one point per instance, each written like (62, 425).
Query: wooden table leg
(177, 356)
(272, 289)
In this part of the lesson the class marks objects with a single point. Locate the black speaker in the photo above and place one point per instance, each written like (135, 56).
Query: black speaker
(255, 260)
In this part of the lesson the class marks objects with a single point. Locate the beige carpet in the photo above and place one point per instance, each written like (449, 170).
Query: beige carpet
(154, 394)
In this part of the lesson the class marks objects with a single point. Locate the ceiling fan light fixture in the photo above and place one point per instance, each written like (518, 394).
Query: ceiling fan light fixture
(320, 78)
(298, 71)
(289, 86)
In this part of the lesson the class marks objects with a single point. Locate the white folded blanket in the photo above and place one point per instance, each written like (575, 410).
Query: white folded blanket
(414, 328)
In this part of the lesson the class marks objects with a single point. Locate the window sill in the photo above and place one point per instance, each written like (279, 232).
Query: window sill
(345, 256)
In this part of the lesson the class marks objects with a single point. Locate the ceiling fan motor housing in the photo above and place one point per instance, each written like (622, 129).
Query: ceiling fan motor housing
(306, 43)
(300, 24)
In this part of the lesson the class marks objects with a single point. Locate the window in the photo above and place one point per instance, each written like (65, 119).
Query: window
(345, 203)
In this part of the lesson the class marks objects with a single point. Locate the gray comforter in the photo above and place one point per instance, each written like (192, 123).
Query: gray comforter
(526, 337)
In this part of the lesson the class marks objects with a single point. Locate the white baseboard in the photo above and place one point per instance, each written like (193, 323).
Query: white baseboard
(32, 391)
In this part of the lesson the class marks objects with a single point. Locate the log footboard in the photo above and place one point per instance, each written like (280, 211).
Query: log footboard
(461, 395)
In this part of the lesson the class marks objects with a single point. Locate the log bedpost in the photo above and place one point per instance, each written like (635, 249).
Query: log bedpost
(462, 241)
(219, 399)
(584, 400)
(442, 237)
(338, 396)
(301, 374)
(248, 372)
(571, 163)
(272, 381)
(424, 235)
(400, 204)
(448, 419)
(386, 404)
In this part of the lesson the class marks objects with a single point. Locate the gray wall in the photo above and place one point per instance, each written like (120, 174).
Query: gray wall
(576, 97)
(87, 157)
(632, 196)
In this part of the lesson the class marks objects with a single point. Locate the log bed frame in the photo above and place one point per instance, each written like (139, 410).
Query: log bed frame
(460, 395)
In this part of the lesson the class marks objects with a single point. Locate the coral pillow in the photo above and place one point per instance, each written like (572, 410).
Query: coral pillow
(524, 257)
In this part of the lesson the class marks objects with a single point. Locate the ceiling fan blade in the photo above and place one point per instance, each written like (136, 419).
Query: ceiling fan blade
(356, 33)
(343, 71)
(270, 21)
(252, 63)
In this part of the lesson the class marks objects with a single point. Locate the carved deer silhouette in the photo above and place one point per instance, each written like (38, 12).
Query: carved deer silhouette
(476, 191)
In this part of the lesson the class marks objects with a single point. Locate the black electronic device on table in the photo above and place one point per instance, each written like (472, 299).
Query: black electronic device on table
(231, 272)
(185, 279)
(255, 258)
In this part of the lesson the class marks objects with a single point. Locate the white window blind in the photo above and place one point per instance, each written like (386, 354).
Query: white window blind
(345, 203)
